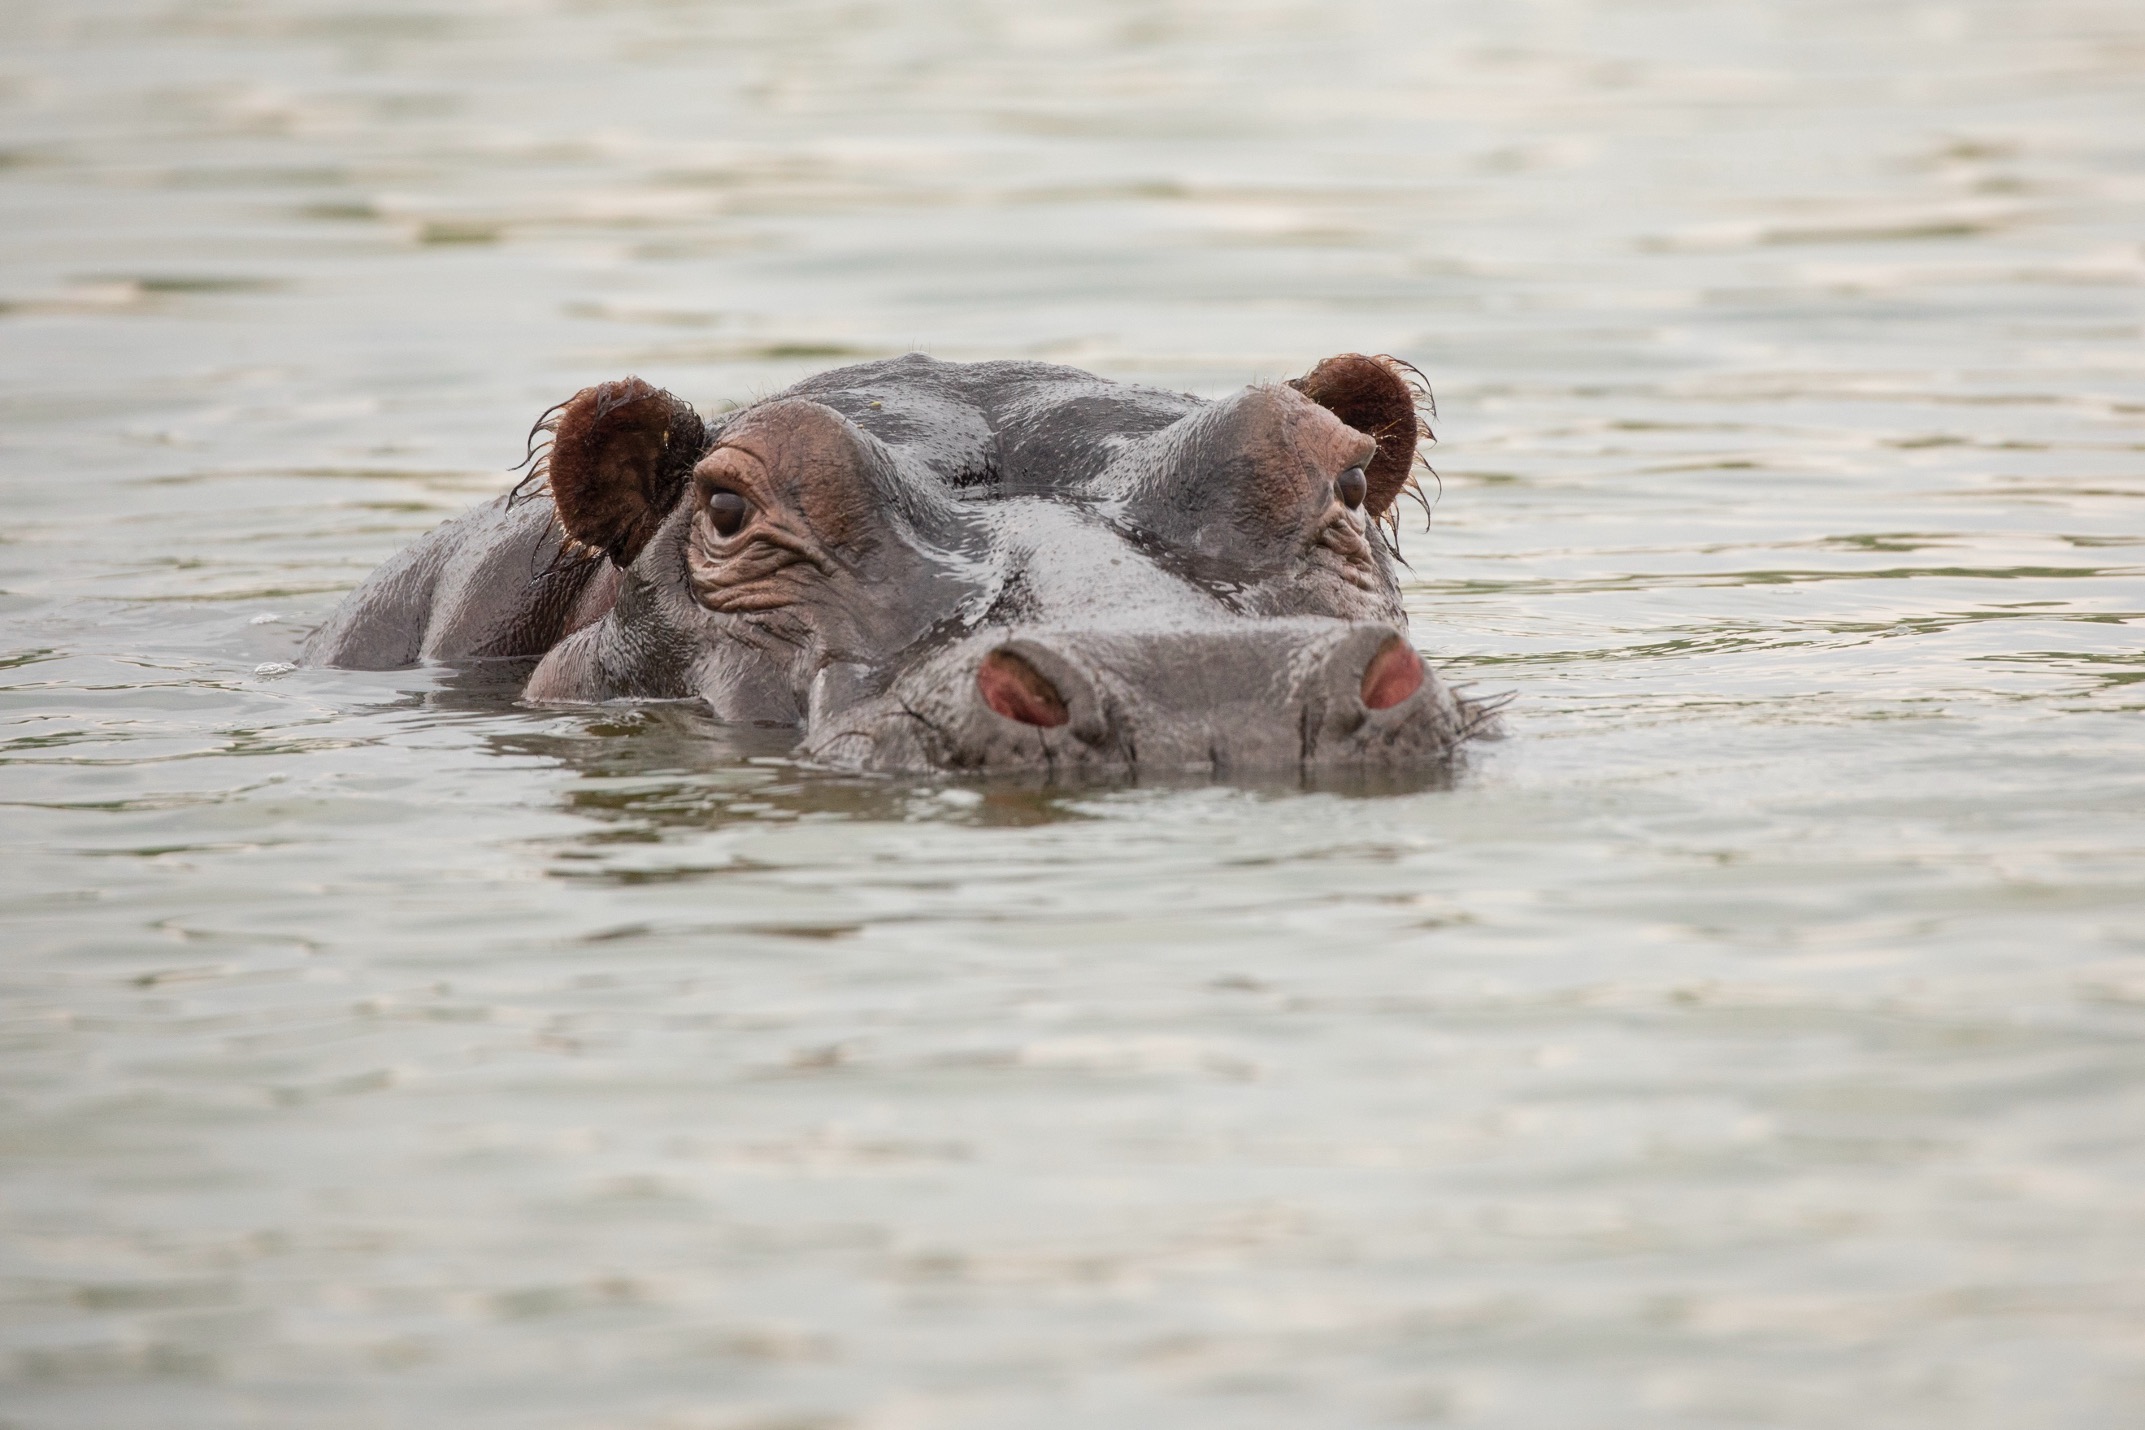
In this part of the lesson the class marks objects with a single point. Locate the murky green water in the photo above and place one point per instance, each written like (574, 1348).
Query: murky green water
(1756, 1037)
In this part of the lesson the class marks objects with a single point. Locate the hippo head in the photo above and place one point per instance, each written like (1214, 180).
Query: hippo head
(1011, 566)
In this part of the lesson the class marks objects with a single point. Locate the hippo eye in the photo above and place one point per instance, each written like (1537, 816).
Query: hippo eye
(727, 512)
(1351, 486)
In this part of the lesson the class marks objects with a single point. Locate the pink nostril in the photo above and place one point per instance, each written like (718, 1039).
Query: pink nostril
(1394, 673)
(1018, 691)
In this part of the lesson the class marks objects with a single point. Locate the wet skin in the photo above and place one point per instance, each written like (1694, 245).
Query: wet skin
(958, 566)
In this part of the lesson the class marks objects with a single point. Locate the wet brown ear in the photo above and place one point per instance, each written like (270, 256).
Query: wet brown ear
(620, 453)
(1372, 395)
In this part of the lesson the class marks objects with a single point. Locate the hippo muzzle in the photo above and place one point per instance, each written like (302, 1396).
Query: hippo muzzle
(1260, 697)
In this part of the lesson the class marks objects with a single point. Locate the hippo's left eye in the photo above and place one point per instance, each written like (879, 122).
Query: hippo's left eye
(727, 512)
(1351, 487)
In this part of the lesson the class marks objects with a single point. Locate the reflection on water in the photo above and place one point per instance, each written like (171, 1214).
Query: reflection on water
(1753, 1038)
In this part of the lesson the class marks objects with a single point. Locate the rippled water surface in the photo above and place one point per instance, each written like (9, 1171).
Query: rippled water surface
(1756, 1037)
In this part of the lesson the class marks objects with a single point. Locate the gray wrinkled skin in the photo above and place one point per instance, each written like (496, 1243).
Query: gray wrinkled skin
(1267, 695)
(1181, 572)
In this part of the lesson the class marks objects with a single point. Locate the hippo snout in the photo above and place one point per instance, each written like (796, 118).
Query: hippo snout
(1262, 696)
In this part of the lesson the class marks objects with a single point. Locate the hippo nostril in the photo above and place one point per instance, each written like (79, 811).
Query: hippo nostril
(1018, 691)
(1394, 673)
(1351, 486)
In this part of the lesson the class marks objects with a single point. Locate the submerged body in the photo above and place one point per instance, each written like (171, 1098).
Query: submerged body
(958, 566)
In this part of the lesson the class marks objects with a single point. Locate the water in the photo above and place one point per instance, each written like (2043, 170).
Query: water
(1754, 1038)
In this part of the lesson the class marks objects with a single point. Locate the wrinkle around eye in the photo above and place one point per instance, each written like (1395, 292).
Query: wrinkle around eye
(1349, 542)
(749, 577)
(751, 581)
(759, 562)
(1342, 536)
(748, 602)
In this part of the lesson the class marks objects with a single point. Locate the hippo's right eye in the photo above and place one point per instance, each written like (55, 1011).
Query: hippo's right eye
(727, 512)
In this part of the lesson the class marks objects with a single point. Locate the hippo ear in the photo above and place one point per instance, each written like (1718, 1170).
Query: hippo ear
(620, 454)
(1372, 395)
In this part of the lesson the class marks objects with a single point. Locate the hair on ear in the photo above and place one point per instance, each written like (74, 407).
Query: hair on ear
(618, 458)
(1374, 396)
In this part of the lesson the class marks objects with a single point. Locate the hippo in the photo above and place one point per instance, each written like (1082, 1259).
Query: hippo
(929, 566)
